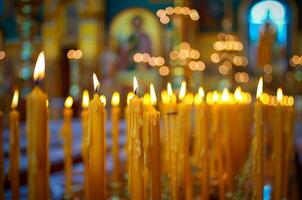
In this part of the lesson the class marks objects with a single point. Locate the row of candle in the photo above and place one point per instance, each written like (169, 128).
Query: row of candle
(220, 120)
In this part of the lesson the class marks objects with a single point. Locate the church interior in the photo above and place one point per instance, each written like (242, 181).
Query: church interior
(151, 99)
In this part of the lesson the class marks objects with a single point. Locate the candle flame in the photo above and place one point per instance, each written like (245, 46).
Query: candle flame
(169, 90)
(47, 103)
(15, 100)
(135, 85)
(238, 94)
(199, 96)
(182, 92)
(39, 71)
(259, 88)
(103, 100)
(215, 96)
(115, 99)
(279, 95)
(225, 95)
(68, 102)
(189, 99)
(85, 99)
(153, 95)
(130, 95)
(96, 83)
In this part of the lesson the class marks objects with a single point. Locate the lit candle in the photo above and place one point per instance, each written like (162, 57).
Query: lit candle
(104, 102)
(66, 132)
(84, 118)
(37, 135)
(128, 131)
(14, 153)
(218, 152)
(171, 141)
(201, 147)
(278, 147)
(184, 145)
(115, 125)
(136, 179)
(154, 133)
(258, 145)
(95, 145)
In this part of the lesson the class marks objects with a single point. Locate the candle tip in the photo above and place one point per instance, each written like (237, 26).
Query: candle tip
(68, 102)
(15, 100)
(96, 83)
(115, 99)
(85, 99)
(39, 71)
(135, 85)
(153, 94)
(259, 88)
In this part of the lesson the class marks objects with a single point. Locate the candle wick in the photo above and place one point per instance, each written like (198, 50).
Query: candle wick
(37, 82)
(172, 113)
(135, 91)
(96, 89)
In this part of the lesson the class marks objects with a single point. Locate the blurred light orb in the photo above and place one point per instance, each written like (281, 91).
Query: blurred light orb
(223, 70)
(2, 55)
(161, 13)
(160, 61)
(164, 20)
(177, 10)
(151, 61)
(200, 66)
(215, 58)
(78, 54)
(138, 57)
(173, 55)
(169, 10)
(185, 11)
(145, 57)
(164, 71)
(193, 65)
(184, 45)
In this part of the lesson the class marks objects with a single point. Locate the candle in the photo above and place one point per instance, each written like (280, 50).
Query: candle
(2, 197)
(37, 137)
(115, 126)
(14, 150)
(84, 118)
(128, 131)
(104, 102)
(258, 145)
(66, 132)
(278, 147)
(201, 146)
(154, 131)
(95, 145)
(136, 180)
(216, 120)
(184, 145)
(171, 141)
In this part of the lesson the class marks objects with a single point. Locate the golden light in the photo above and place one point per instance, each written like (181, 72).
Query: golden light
(15, 100)
(291, 101)
(47, 103)
(264, 98)
(160, 13)
(2, 55)
(201, 92)
(189, 99)
(115, 99)
(85, 99)
(78, 54)
(185, 11)
(147, 99)
(164, 20)
(169, 89)
(153, 95)
(129, 97)
(182, 91)
(209, 98)
(138, 57)
(164, 70)
(225, 95)
(39, 71)
(238, 95)
(103, 100)
(164, 96)
(200, 66)
(96, 83)
(160, 61)
(215, 96)
(146, 57)
(259, 88)
(247, 98)
(279, 95)
(135, 85)
(68, 102)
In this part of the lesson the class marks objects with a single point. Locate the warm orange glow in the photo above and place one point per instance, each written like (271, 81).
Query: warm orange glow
(225, 96)
(68, 102)
(115, 99)
(96, 83)
(15, 100)
(135, 85)
(103, 100)
(215, 96)
(264, 98)
(189, 99)
(279, 95)
(39, 71)
(291, 101)
(129, 97)
(164, 97)
(147, 99)
(169, 89)
(85, 99)
(47, 103)
(153, 95)
(259, 88)
(209, 98)
(238, 94)
(182, 91)
(199, 96)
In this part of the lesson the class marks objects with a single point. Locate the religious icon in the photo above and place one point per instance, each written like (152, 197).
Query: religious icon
(138, 41)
